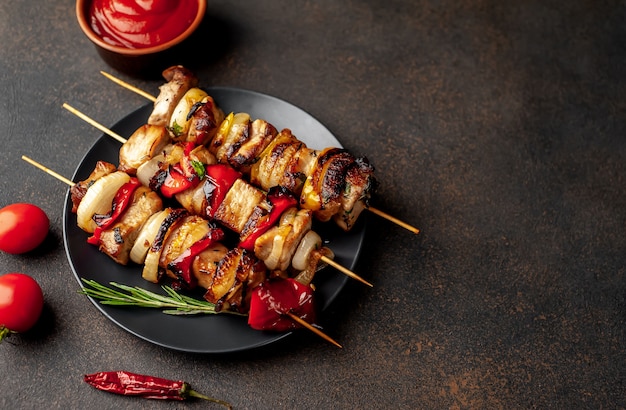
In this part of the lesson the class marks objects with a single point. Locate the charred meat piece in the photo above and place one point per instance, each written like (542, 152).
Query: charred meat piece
(146, 142)
(238, 204)
(179, 81)
(323, 187)
(260, 134)
(277, 246)
(205, 265)
(233, 132)
(237, 272)
(206, 118)
(278, 164)
(333, 184)
(360, 183)
(117, 240)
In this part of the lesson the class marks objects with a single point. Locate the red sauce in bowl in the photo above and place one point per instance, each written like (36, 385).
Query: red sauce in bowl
(141, 23)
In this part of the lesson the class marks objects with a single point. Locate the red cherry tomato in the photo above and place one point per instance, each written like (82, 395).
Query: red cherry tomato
(21, 303)
(23, 227)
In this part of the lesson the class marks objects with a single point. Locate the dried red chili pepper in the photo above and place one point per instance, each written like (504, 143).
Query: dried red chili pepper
(149, 387)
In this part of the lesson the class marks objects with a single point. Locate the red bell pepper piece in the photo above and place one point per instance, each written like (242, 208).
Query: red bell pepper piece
(121, 200)
(181, 266)
(176, 181)
(273, 299)
(281, 200)
(94, 239)
(219, 179)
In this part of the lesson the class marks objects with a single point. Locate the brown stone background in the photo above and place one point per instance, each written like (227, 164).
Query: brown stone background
(496, 127)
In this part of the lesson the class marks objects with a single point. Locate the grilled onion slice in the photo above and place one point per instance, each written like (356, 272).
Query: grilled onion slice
(309, 243)
(151, 263)
(146, 236)
(181, 118)
(98, 199)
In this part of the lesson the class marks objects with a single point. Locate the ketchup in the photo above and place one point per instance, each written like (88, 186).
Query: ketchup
(141, 23)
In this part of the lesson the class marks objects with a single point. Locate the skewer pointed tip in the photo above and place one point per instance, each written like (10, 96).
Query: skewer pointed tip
(345, 271)
(313, 329)
(395, 220)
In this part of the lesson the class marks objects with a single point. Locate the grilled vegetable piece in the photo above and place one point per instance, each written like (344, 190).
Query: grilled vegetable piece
(277, 246)
(98, 199)
(146, 236)
(78, 190)
(151, 271)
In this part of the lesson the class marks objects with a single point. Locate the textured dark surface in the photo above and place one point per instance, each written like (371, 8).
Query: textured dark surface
(498, 128)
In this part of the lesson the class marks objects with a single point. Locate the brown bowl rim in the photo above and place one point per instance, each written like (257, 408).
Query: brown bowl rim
(97, 40)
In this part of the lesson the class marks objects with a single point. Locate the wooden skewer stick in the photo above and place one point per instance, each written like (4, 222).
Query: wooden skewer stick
(312, 329)
(344, 270)
(47, 170)
(129, 86)
(104, 129)
(94, 123)
(293, 317)
(153, 98)
(394, 220)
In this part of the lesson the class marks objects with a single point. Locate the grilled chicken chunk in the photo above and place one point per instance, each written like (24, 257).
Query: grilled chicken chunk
(237, 272)
(278, 164)
(260, 134)
(277, 246)
(233, 132)
(206, 117)
(146, 142)
(117, 240)
(204, 266)
(179, 81)
(360, 183)
(239, 203)
(332, 184)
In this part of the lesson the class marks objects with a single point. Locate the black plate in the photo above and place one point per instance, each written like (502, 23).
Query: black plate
(206, 333)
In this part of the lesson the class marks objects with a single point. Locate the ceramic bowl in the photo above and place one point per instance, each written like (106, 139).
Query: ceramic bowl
(148, 61)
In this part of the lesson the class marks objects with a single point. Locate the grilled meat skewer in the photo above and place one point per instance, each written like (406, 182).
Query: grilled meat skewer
(331, 182)
(145, 222)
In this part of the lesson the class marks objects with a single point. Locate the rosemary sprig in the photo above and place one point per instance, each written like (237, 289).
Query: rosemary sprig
(172, 304)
